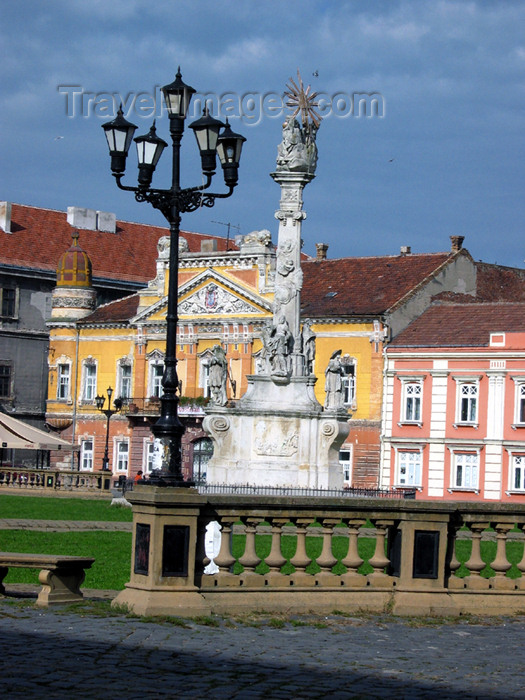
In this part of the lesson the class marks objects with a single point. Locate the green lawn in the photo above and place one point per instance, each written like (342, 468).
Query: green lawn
(47, 508)
(111, 551)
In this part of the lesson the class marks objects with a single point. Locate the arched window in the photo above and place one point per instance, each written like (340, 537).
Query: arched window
(202, 451)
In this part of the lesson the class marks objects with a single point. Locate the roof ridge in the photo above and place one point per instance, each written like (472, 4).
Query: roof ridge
(376, 257)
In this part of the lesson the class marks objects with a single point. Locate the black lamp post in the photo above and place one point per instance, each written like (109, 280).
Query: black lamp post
(108, 412)
(172, 203)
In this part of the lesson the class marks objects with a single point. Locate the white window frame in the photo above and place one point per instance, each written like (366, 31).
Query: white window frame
(467, 391)
(409, 467)
(89, 381)
(517, 466)
(148, 460)
(122, 381)
(202, 473)
(60, 383)
(519, 417)
(468, 398)
(87, 456)
(121, 466)
(469, 480)
(155, 374)
(348, 374)
(412, 401)
(346, 462)
(204, 373)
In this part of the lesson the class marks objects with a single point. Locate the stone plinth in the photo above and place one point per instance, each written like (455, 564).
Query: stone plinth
(277, 435)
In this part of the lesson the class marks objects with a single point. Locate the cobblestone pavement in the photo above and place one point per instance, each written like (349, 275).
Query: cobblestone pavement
(64, 654)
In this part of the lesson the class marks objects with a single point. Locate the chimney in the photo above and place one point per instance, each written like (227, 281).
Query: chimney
(106, 222)
(457, 243)
(405, 250)
(5, 216)
(77, 217)
(209, 245)
(321, 249)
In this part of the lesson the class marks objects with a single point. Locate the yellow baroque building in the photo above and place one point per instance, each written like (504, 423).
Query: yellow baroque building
(225, 298)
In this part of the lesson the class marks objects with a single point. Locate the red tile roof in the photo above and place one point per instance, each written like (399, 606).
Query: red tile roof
(115, 311)
(497, 283)
(363, 286)
(461, 325)
(40, 236)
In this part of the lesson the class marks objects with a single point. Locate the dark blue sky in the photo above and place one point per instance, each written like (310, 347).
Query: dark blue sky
(446, 157)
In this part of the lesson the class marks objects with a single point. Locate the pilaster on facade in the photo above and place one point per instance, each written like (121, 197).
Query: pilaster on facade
(496, 404)
(438, 419)
(436, 474)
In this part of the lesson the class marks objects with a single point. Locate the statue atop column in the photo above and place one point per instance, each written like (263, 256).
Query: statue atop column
(334, 382)
(218, 376)
(296, 165)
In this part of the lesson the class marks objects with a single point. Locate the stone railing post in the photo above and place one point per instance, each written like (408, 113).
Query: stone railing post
(300, 559)
(326, 560)
(249, 560)
(501, 564)
(453, 563)
(476, 564)
(521, 564)
(225, 559)
(379, 560)
(275, 559)
(352, 561)
(201, 559)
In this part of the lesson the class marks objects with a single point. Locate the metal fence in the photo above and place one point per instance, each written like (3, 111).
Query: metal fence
(247, 490)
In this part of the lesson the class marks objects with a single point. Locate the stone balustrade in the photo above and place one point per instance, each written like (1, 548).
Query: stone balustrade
(323, 554)
(24, 478)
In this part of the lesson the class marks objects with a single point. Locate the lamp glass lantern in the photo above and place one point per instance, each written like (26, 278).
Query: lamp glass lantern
(206, 130)
(119, 134)
(149, 150)
(177, 96)
(229, 148)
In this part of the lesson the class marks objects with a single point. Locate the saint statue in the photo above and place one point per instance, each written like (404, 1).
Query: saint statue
(334, 382)
(218, 376)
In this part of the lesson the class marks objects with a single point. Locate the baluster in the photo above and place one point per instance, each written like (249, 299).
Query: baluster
(225, 559)
(352, 560)
(475, 564)
(501, 564)
(201, 558)
(454, 563)
(326, 560)
(521, 564)
(379, 561)
(275, 559)
(300, 559)
(249, 559)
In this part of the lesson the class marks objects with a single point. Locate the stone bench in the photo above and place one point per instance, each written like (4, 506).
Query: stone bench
(60, 575)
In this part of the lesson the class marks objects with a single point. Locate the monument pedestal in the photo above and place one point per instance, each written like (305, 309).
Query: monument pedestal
(277, 435)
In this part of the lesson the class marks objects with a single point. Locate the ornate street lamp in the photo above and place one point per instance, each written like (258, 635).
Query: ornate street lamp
(172, 203)
(108, 412)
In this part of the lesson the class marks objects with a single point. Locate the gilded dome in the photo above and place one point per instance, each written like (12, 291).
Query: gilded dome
(74, 267)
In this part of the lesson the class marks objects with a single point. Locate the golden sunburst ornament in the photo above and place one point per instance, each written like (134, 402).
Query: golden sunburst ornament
(302, 101)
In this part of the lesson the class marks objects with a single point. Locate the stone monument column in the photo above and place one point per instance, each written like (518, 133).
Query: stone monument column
(278, 434)
(296, 163)
(288, 273)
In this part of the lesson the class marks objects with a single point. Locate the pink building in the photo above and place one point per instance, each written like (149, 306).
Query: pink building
(454, 404)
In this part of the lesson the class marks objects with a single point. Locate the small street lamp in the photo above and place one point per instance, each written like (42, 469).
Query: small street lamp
(108, 412)
(172, 203)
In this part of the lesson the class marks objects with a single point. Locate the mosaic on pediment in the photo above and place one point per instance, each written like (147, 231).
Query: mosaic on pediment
(215, 300)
